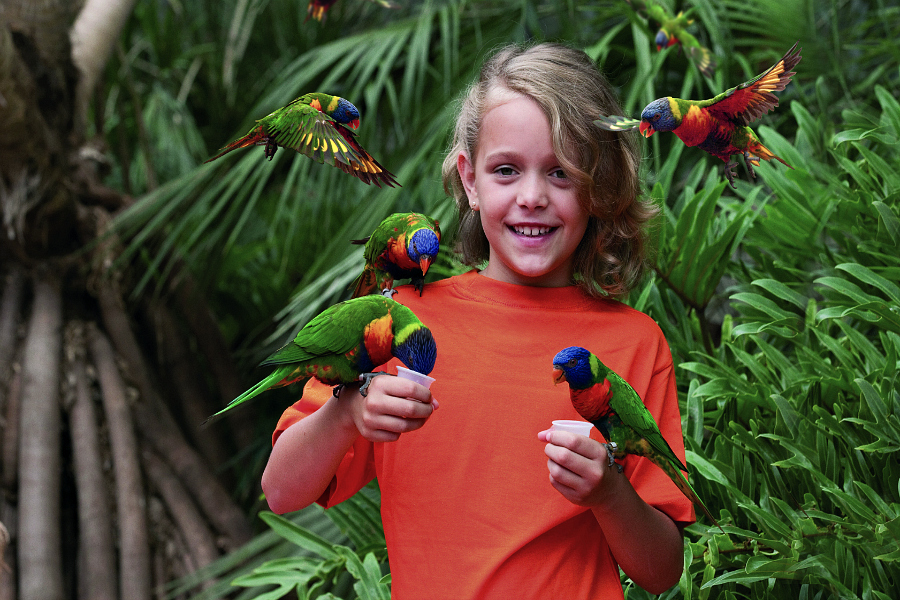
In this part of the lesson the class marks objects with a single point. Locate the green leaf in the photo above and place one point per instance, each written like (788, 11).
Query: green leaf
(299, 536)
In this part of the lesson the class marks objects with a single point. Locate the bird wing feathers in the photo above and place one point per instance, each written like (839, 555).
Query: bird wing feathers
(752, 99)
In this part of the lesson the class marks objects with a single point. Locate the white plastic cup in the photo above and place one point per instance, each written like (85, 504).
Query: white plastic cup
(579, 427)
(415, 376)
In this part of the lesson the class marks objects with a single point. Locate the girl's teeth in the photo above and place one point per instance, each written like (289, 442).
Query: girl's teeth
(532, 231)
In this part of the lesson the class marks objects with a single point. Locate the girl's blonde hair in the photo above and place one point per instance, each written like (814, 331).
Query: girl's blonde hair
(572, 92)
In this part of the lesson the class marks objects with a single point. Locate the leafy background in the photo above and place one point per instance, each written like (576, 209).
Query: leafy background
(780, 299)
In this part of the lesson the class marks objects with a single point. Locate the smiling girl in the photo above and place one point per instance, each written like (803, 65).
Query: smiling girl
(552, 203)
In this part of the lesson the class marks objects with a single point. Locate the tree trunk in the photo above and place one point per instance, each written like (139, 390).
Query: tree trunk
(97, 540)
(40, 550)
(134, 548)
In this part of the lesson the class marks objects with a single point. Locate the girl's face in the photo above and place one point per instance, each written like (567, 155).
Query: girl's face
(529, 208)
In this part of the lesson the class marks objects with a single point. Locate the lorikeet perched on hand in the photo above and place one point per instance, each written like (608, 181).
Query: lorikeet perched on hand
(318, 8)
(673, 30)
(605, 399)
(719, 125)
(317, 125)
(345, 343)
(403, 246)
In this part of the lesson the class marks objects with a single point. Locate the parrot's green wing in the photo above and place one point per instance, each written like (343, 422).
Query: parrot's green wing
(626, 403)
(309, 131)
(335, 331)
(617, 123)
(699, 54)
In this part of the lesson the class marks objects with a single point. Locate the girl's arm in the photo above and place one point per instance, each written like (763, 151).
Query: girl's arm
(645, 542)
(306, 456)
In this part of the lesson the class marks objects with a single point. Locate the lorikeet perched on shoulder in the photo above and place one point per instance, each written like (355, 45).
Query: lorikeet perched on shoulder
(318, 8)
(403, 246)
(605, 399)
(319, 126)
(345, 343)
(673, 30)
(719, 125)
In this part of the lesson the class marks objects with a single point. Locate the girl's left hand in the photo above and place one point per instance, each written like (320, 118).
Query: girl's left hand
(579, 468)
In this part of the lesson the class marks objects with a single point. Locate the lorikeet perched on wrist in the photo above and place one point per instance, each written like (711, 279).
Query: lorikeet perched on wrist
(720, 126)
(345, 343)
(319, 126)
(605, 399)
(403, 246)
(673, 30)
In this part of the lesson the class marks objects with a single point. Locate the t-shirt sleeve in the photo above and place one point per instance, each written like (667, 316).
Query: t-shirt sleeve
(357, 467)
(651, 483)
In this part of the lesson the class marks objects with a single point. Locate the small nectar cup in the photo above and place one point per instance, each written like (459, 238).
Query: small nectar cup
(415, 376)
(579, 427)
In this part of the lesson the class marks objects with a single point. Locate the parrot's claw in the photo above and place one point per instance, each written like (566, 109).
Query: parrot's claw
(271, 147)
(419, 285)
(730, 173)
(748, 160)
(611, 449)
(367, 378)
(388, 292)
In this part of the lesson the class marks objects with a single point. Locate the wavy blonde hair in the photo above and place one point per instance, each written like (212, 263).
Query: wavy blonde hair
(572, 92)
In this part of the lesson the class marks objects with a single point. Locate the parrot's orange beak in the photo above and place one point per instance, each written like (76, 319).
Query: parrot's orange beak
(424, 263)
(646, 129)
(558, 376)
(353, 124)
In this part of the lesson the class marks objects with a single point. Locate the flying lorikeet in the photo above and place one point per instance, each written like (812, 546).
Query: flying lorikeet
(673, 30)
(605, 399)
(317, 8)
(719, 125)
(403, 246)
(345, 343)
(317, 125)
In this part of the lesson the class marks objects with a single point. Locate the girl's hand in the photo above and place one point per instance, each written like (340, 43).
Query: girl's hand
(392, 406)
(579, 468)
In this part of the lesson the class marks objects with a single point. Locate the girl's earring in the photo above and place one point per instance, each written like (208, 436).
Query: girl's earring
(474, 206)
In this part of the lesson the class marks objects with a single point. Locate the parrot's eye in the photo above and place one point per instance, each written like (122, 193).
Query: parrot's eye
(655, 117)
(572, 362)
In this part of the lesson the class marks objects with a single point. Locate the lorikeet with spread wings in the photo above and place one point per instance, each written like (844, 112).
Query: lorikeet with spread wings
(403, 246)
(673, 30)
(317, 8)
(720, 125)
(319, 126)
(345, 343)
(605, 399)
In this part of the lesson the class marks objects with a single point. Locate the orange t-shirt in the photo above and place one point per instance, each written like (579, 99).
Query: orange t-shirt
(467, 505)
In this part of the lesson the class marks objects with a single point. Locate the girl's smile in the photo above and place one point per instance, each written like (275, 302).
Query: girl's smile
(529, 208)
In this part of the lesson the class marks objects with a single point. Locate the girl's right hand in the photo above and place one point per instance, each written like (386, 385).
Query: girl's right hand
(391, 407)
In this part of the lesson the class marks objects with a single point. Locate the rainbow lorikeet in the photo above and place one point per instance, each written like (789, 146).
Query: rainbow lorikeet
(718, 125)
(319, 126)
(345, 343)
(317, 8)
(605, 399)
(673, 30)
(403, 246)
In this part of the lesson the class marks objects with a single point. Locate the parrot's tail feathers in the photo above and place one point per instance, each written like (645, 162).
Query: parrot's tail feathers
(688, 490)
(269, 382)
(253, 138)
(761, 152)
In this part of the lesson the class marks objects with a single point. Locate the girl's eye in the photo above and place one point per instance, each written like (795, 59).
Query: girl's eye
(505, 171)
(559, 174)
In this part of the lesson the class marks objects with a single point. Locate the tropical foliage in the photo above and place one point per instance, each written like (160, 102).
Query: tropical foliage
(780, 300)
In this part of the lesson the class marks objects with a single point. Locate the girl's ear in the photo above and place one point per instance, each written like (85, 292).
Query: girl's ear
(467, 174)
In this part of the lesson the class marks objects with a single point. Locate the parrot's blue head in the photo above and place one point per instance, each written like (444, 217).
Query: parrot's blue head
(657, 116)
(346, 113)
(423, 247)
(663, 40)
(573, 365)
(418, 351)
